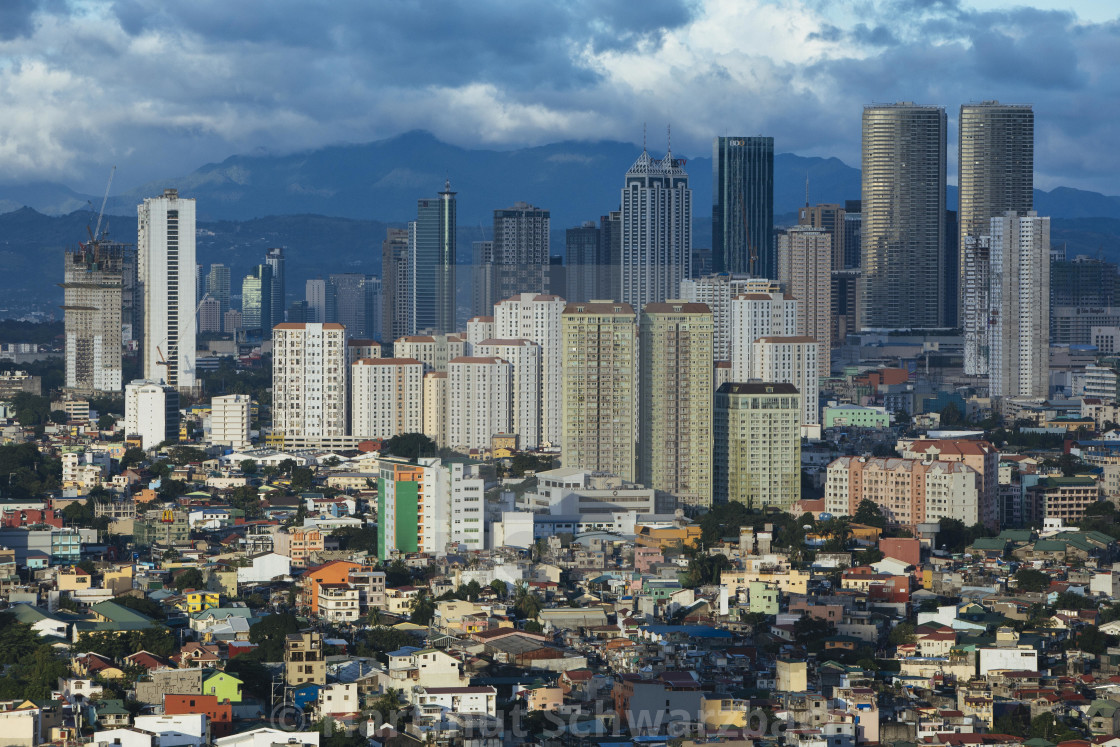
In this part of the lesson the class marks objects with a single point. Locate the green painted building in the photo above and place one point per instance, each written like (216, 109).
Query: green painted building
(399, 495)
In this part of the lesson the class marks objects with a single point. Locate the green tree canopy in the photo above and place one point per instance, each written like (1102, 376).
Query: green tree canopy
(411, 446)
(1028, 579)
(869, 513)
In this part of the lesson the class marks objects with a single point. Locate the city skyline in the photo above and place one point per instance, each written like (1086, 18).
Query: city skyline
(801, 69)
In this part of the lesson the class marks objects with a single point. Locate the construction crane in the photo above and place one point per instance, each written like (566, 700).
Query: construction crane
(104, 201)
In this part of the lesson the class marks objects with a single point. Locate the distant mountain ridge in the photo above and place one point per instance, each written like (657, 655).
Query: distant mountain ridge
(382, 180)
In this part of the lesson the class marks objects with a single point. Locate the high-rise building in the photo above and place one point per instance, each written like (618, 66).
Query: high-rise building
(256, 299)
(675, 418)
(151, 411)
(425, 506)
(209, 315)
(791, 360)
(537, 317)
(230, 420)
(599, 349)
(907, 491)
(386, 397)
(479, 329)
(319, 294)
(482, 258)
(853, 233)
(757, 454)
(976, 312)
(396, 285)
(275, 260)
(831, 219)
(432, 263)
(353, 303)
(309, 395)
(92, 289)
(166, 253)
(479, 401)
(903, 217)
(217, 285)
(588, 269)
(805, 257)
(1019, 297)
(519, 257)
(610, 233)
(524, 356)
(434, 351)
(995, 169)
(847, 291)
(717, 291)
(743, 206)
(435, 406)
(758, 314)
(656, 230)
(297, 312)
(231, 322)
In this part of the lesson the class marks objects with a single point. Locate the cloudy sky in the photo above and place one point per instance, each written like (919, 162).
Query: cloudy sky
(159, 88)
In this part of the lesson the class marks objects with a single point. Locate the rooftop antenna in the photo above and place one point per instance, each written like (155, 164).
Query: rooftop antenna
(669, 138)
(643, 137)
(806, 189)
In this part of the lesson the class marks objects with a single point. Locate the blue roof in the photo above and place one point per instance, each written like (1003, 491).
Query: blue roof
(694, 631)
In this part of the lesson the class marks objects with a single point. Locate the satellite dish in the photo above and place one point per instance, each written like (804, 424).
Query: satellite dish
(806, 527)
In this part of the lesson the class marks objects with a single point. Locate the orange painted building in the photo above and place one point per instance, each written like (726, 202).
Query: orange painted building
(334, 572)
(220, 715)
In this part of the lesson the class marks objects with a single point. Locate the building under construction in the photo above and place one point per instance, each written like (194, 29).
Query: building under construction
(94, 281)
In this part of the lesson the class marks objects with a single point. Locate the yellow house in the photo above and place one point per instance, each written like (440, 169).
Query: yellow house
(789, 581)
(73, 578)
(118, 579)
(664, 537)
(197, 601)
(223, 581)
(720, 713)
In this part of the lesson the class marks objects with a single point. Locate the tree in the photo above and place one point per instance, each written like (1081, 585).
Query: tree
(106, 422)
(397, 574)
(132, 456)
(189, 579)
(951, 415)
(302, 478)
(248, 466)
(526, 603)
(499, 588)
(901, 634)
(181, 455)
(269, 634)
(170, 489)
(411, 446)
(255, 677)
(1028, 579)
(532, 626)
(59, 417)
(869, 513)
(423, 610)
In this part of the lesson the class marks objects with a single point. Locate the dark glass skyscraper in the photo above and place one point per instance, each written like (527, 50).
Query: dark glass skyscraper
(275, 260)
(432, 253)
(743, 206)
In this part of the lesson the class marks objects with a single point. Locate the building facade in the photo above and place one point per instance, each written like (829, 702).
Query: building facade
(524, 357)
(151, 411)
(600, 387)
(92, 288)
(166, 267)
(309, 395)
(536, 317)
(386, 397)
(656, 230)
(675, 422)
(519, 255)
(907, 491)
(1020, 300)
(791, 360)
(230, 420)
(717, 291)
(479, 401)
(755, 315)
(903, 217)
(757, 451)
(431, 243)
(805, 267)
(743, 206)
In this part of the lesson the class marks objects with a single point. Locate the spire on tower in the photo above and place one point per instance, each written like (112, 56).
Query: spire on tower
(806, 189)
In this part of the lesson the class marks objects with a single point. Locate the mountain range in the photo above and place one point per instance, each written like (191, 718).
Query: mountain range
(337, 201)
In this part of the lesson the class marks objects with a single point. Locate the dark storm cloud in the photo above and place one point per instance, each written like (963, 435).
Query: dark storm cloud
(17, 18)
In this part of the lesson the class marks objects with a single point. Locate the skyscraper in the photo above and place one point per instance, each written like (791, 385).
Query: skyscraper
(675, 418)
(256, 300)
(1020, 301)
(537, 317)
(275, 260)
(755, 315)
(717, 291)
(386, 397)
(92, 291)
(519, 257)
(309, 395)
(600, 387)
(588, 271)
(319, 294)
(217, 285)
(166, 252)
(354, 303)
(743, 206)
(995, 169)
(903, 223)
(482, 298)
(831, 219)
(757, 444)
(479, 401)
(396, 285)
(524, 357)
(432, 263)
(805, 257)
(656, 230)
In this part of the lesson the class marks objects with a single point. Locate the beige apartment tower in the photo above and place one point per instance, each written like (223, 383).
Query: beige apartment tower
(675, 422)
(805, 266)
(757, 453)
(309, 379)
(600, 387)
(903, 217)
(93, 286)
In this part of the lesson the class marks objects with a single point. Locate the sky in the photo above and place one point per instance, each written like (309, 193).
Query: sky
(160, 88)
